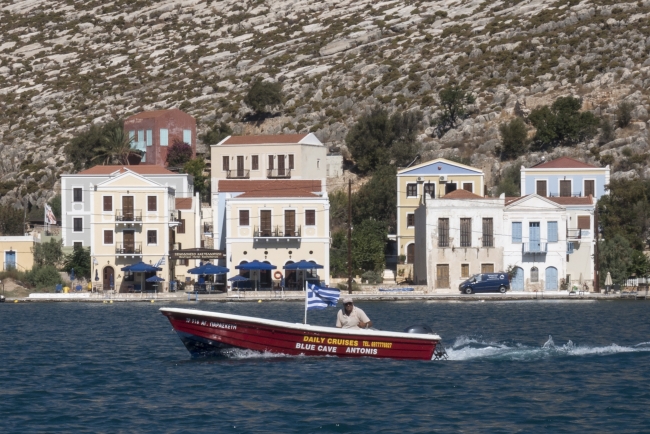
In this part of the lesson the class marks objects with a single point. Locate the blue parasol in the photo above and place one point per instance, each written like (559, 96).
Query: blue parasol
(72, 274)
(255, 266)
(155, 279)
(208, 269)
(302, 265)
(140, 267)
(96, 275)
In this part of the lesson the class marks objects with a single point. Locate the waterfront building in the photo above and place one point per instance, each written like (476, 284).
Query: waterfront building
(18, 252)
(437, 178)
(564, 177)
(153, 132)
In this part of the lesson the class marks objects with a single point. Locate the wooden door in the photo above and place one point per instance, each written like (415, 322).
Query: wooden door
(127, 208)
(265, 223)
(590, 188)
(129, 241)
(109, 278)
(565, 188)
(289, 223)
(541, 188)
(280, 165)
(442, 276)
(534, 237)
(240, 166)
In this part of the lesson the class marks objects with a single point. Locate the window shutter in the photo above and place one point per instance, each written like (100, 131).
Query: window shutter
(310, 217)
(291, 162)
(516, 232)
(244, 217)
(108, 203)
(152, 204)
(552, 232)
(590, 189)
(226, 163)
(541, 188)
(255, 163)
(108, 237)
(583, 222)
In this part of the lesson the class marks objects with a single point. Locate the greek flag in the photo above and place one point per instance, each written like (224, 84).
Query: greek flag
(160, 262)
(320, 298)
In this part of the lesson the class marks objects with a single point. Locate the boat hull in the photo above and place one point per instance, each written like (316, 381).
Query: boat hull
(210, 333)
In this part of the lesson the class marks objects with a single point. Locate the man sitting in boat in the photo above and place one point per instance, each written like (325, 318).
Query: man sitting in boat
(351, 317)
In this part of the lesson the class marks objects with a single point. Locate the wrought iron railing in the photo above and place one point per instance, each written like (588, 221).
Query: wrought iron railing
(277, 232)
(238, 174)
(279, 173)
(134, 248)
(128, 215)
(535, 247)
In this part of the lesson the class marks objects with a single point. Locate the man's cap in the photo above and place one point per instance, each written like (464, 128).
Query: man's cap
(347, 300)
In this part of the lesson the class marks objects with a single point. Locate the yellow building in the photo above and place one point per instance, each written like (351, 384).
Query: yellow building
(437, 178)
(17, 252)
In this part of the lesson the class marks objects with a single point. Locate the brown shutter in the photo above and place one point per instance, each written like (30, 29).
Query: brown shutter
(108, 203)
(181, 227)
(240, 166)
(590, 188)
(467, 186)
(280, 165)
(152, 203)
(291, 162)
(244, 217)
(271, 162)
(152, 237)
(442, 276)
(488, 238)
(464, 270)
(487, 268)
(226, 163)
(310, 217)
(584, 222)
(129, 241)
(565, 188)
(127, 208)
(443, 232)
(466, 232)
(255, 162)
(265, 222)
(289, 223)
(541, 188)
(108, 237)
(410, 219)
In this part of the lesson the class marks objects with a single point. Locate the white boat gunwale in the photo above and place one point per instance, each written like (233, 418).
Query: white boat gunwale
(304, 327)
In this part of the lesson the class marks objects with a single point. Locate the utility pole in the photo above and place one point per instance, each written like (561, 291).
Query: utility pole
(349, 236)
(596, 235)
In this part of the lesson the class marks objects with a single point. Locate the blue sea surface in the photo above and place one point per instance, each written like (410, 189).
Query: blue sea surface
(536, 366)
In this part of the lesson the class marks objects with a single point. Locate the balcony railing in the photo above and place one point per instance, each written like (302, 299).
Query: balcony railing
(277, 232)
(238, 174)
(128, 248)
(573, 194)
(128, 215)
(279, 173)
(577, 234)
(535, 247)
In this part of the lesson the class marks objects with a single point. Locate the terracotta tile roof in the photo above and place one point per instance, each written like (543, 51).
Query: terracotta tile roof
(564, 163)
(511, 199)
(572, 200)
(155, 114)
(263, 140)
(271, 188)
(461, 194)
(145, 169)
(183, 203)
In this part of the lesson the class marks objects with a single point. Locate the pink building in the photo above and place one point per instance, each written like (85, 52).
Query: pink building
(155, 131)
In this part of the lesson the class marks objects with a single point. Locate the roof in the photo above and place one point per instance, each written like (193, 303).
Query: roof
(271, 188)
(510, 199)
(264, 139)
(440, 166)
(461, 194)
(183, 203)
(155, 114)
(572, 200)
(147, 169)
(564, 163)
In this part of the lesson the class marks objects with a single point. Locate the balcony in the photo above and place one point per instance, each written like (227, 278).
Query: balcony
(573, 194)
(173, 219)
(207, 228)
(128, 249)
(277, 233)
(128, 216)
(535, 247)
(238, 174)
(278, 173)
(577, 234)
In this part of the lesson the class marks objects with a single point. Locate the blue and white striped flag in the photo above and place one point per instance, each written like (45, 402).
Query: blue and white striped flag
(320, 298)
(160, 262)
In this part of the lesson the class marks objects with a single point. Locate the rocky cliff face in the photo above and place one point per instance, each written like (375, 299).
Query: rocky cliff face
(66, 64)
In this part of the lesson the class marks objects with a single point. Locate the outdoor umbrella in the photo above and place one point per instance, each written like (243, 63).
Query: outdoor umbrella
(238, 278)
(71, 274)
(96, 275)
(208, 269)
(608, 281)
(302, 265)
(141, 267)
(155, 279)
(255, 265)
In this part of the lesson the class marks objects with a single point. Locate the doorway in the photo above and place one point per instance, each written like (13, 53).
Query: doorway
(109, 278)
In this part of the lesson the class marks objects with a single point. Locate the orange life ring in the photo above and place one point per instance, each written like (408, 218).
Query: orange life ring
(277, 275)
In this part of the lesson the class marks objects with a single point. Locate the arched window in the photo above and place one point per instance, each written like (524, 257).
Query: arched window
(534, 275)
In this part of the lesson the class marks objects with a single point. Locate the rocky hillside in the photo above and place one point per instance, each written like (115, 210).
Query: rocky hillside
(66, 64)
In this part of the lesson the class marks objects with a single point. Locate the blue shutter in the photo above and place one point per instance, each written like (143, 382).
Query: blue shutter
(516, 232)
(552, 232)
(569, 247)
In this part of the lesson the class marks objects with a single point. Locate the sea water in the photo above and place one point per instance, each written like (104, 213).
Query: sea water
(513, 367)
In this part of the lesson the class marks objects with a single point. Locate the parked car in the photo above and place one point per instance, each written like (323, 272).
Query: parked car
(486, 282)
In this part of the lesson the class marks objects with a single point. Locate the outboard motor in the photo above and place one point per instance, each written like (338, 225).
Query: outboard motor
(2, 298)
(421, 329)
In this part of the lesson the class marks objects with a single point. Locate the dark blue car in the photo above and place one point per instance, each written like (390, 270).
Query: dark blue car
(486, 282)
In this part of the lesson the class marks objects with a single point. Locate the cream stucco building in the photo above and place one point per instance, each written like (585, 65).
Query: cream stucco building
(18, 252)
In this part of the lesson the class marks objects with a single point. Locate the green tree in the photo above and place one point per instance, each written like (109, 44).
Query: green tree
(615, 256)
(338, 210)
(83, 148)
(510, 182)
(513, 139)
(116, 146)
(563, 124)
(79, 259)
(368, 245)
(264, 96)
(376, 199)
(178, 154)
(339, 253)
(43, 277)
(378, 139)
(196, 168)
(48, 254)
(624, 114)
(453, 103)
(12, 220)
(625, 211)
(606, 132)
(55, 204)
(217, 133)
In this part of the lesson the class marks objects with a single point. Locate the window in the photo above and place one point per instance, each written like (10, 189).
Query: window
(244, 217)
(569, 248)
(551, 236)
(590, 187)
(430, 189)
(464, 270)
(164, 137)
(310, 217)
(108, 237)
(442, 276)
(534, 275)
(410, 220)
(271, 162)
(149, 137)
(291, 162)
(225, 163)
(451, 186)
(77, 224)
(77, 195)
(184, 262)
(411, 190)
(467, 186)
(108, 203)
(541, 188)
(290, 222)
(487, 268)
(265, 223)
(466, 232)
(152, 203)
(565, 188)
(443, 232)
(152, 237)
(255, 162)
(516, 232)
(584, 222)
(77, 245)
(181, 227)
(141, 142)
(488, 233)
(187, 137)
(410, 254)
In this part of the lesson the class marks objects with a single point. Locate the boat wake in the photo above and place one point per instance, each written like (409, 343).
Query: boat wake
(241, 354)
(466, 348)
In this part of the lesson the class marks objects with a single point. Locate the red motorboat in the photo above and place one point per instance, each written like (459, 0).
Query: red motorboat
(211, 333)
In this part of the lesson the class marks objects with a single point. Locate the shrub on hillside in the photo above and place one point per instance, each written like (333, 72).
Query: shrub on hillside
(624, 114)
(43, 277)
(606, 132)
(453, 102)
(264, 96)
(12, 220)
(217, 133)
(514, 139)
(510, 182)
(562, 124)
(84, 148)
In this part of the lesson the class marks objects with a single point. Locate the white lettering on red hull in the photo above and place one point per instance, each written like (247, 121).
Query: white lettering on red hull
(371, 351)
(312, 347)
